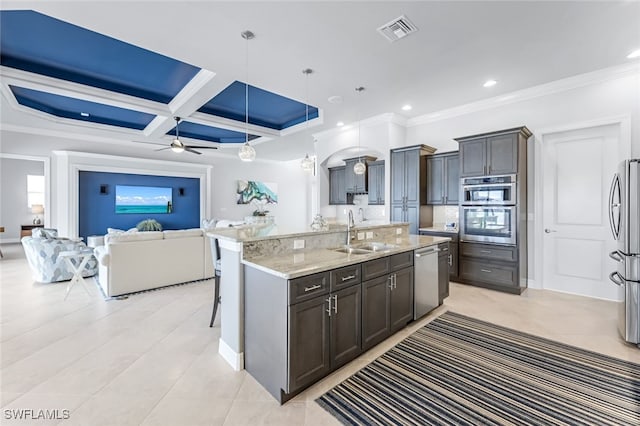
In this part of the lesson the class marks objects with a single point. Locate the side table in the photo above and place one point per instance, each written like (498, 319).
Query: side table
(83, 257)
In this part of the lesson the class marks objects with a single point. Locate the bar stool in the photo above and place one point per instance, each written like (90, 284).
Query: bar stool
(215, 254)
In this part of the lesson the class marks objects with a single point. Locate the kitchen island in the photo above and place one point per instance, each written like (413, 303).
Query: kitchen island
(297, 314)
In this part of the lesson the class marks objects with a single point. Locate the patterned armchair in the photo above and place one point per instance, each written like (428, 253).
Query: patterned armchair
(42, 249)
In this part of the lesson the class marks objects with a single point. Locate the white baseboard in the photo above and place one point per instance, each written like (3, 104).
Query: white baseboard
(235, 360)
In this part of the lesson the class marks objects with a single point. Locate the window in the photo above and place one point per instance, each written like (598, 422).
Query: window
(35, 190)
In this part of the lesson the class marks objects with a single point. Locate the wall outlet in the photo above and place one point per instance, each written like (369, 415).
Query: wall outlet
(298, 258)
(361, 235)
(298, 244)
(369, 235)
(398, 231)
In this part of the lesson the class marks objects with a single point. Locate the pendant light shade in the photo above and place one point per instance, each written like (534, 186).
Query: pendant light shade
(359, 168)
(246, 151)
(307, 164)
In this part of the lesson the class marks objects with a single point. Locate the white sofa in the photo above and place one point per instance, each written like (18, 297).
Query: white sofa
(136, 261)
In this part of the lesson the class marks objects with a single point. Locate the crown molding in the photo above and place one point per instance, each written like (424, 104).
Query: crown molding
(546, 89)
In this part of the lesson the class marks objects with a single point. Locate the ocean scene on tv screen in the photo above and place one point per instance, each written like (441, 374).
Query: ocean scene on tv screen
(143, 199)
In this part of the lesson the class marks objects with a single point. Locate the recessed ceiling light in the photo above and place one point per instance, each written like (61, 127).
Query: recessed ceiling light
(335, 99)
(634, 54)
(489, 83)
(406, 107)
(84, 114)
(340, 124)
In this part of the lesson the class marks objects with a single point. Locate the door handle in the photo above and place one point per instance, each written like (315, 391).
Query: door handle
(619, 281)
(616, 256)
(313, 287)
(328, 300)
(335, 303)
(548, 231)
(390, 282)
(348, 277)
(450, 260)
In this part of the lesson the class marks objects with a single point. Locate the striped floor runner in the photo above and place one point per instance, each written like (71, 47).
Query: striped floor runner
(461, 371)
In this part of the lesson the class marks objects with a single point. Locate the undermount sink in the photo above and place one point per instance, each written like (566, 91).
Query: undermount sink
(376, 246)
(365, 248)
(352, 250)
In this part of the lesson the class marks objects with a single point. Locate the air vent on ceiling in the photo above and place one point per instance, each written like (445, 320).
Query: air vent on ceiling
(397, 28)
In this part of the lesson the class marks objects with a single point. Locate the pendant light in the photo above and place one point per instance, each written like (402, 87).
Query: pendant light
(307, 163)
(359, 168)
(246, 152)
(176, 145)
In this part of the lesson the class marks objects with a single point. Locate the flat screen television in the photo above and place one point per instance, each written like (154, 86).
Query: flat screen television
(143, 199)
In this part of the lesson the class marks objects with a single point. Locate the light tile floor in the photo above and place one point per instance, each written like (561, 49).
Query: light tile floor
(151, 359)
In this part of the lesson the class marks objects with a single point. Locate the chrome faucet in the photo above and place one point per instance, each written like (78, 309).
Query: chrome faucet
(350, 225)
(360, 215)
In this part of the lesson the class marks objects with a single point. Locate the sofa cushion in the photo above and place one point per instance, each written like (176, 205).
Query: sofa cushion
(133, 236)
(182, 233)
(48, 233)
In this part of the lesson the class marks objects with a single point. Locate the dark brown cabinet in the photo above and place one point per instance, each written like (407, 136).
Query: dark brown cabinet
(490, 266)
(376, 183)
(387, 297)
(337, 188)
(443, 179)
(345, 323)
(495, 153)
(452, 255)
(408, 184)
(444, 265)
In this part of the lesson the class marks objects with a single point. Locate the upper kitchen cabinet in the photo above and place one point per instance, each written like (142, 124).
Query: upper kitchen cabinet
(376, 183)
(337, 189)
(357, 184)
(495, 153)
(408, 184)
(443, 178)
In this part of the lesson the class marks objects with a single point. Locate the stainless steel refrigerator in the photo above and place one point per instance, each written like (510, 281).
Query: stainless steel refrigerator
(624, 218)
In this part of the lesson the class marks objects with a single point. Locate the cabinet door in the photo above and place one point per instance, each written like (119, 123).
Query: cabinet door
(473, 158)
(452, 179)
(337, 191)
(412, 176)
(380, 183)
(397, 178)
(502, 155)
(401, 299)
(397, 213)
(435, 183)
(453, 261)
(375, 311)
(443, 272)
(374, 189)
(412, 215)
(309, 356)
(346, 321)
(349, 177)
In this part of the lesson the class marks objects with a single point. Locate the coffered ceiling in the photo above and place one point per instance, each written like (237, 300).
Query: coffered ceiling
(145, 62)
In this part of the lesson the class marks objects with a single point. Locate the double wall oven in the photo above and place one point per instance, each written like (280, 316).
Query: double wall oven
(488, 209)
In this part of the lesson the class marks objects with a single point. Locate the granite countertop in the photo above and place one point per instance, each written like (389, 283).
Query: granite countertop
(306, 262)
(272, 231)
(439, 228)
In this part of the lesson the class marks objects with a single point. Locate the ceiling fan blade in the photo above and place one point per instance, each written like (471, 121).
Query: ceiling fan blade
(162, 149)
(202, 147)
(191, 150)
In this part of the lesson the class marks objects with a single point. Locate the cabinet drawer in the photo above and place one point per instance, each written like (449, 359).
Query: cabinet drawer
(489, 251)
(307, 287)
(401, 260)
(491, 273)
(345, 277)
(375, 268)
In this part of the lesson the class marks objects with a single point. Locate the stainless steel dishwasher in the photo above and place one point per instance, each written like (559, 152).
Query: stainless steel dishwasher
(425, 296)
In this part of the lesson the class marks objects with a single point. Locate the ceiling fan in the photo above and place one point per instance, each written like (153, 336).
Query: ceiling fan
(178, 146)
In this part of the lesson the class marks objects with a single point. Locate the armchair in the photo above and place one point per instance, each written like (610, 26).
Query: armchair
(42, 250)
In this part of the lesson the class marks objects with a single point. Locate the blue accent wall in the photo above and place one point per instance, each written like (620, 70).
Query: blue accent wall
(97, 211)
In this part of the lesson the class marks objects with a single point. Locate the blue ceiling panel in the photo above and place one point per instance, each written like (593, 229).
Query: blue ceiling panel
(266, 109)
(212, 134)
(37, 43)
(63, 106)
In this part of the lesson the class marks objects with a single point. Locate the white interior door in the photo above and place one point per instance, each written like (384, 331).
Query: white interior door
(578, 166)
